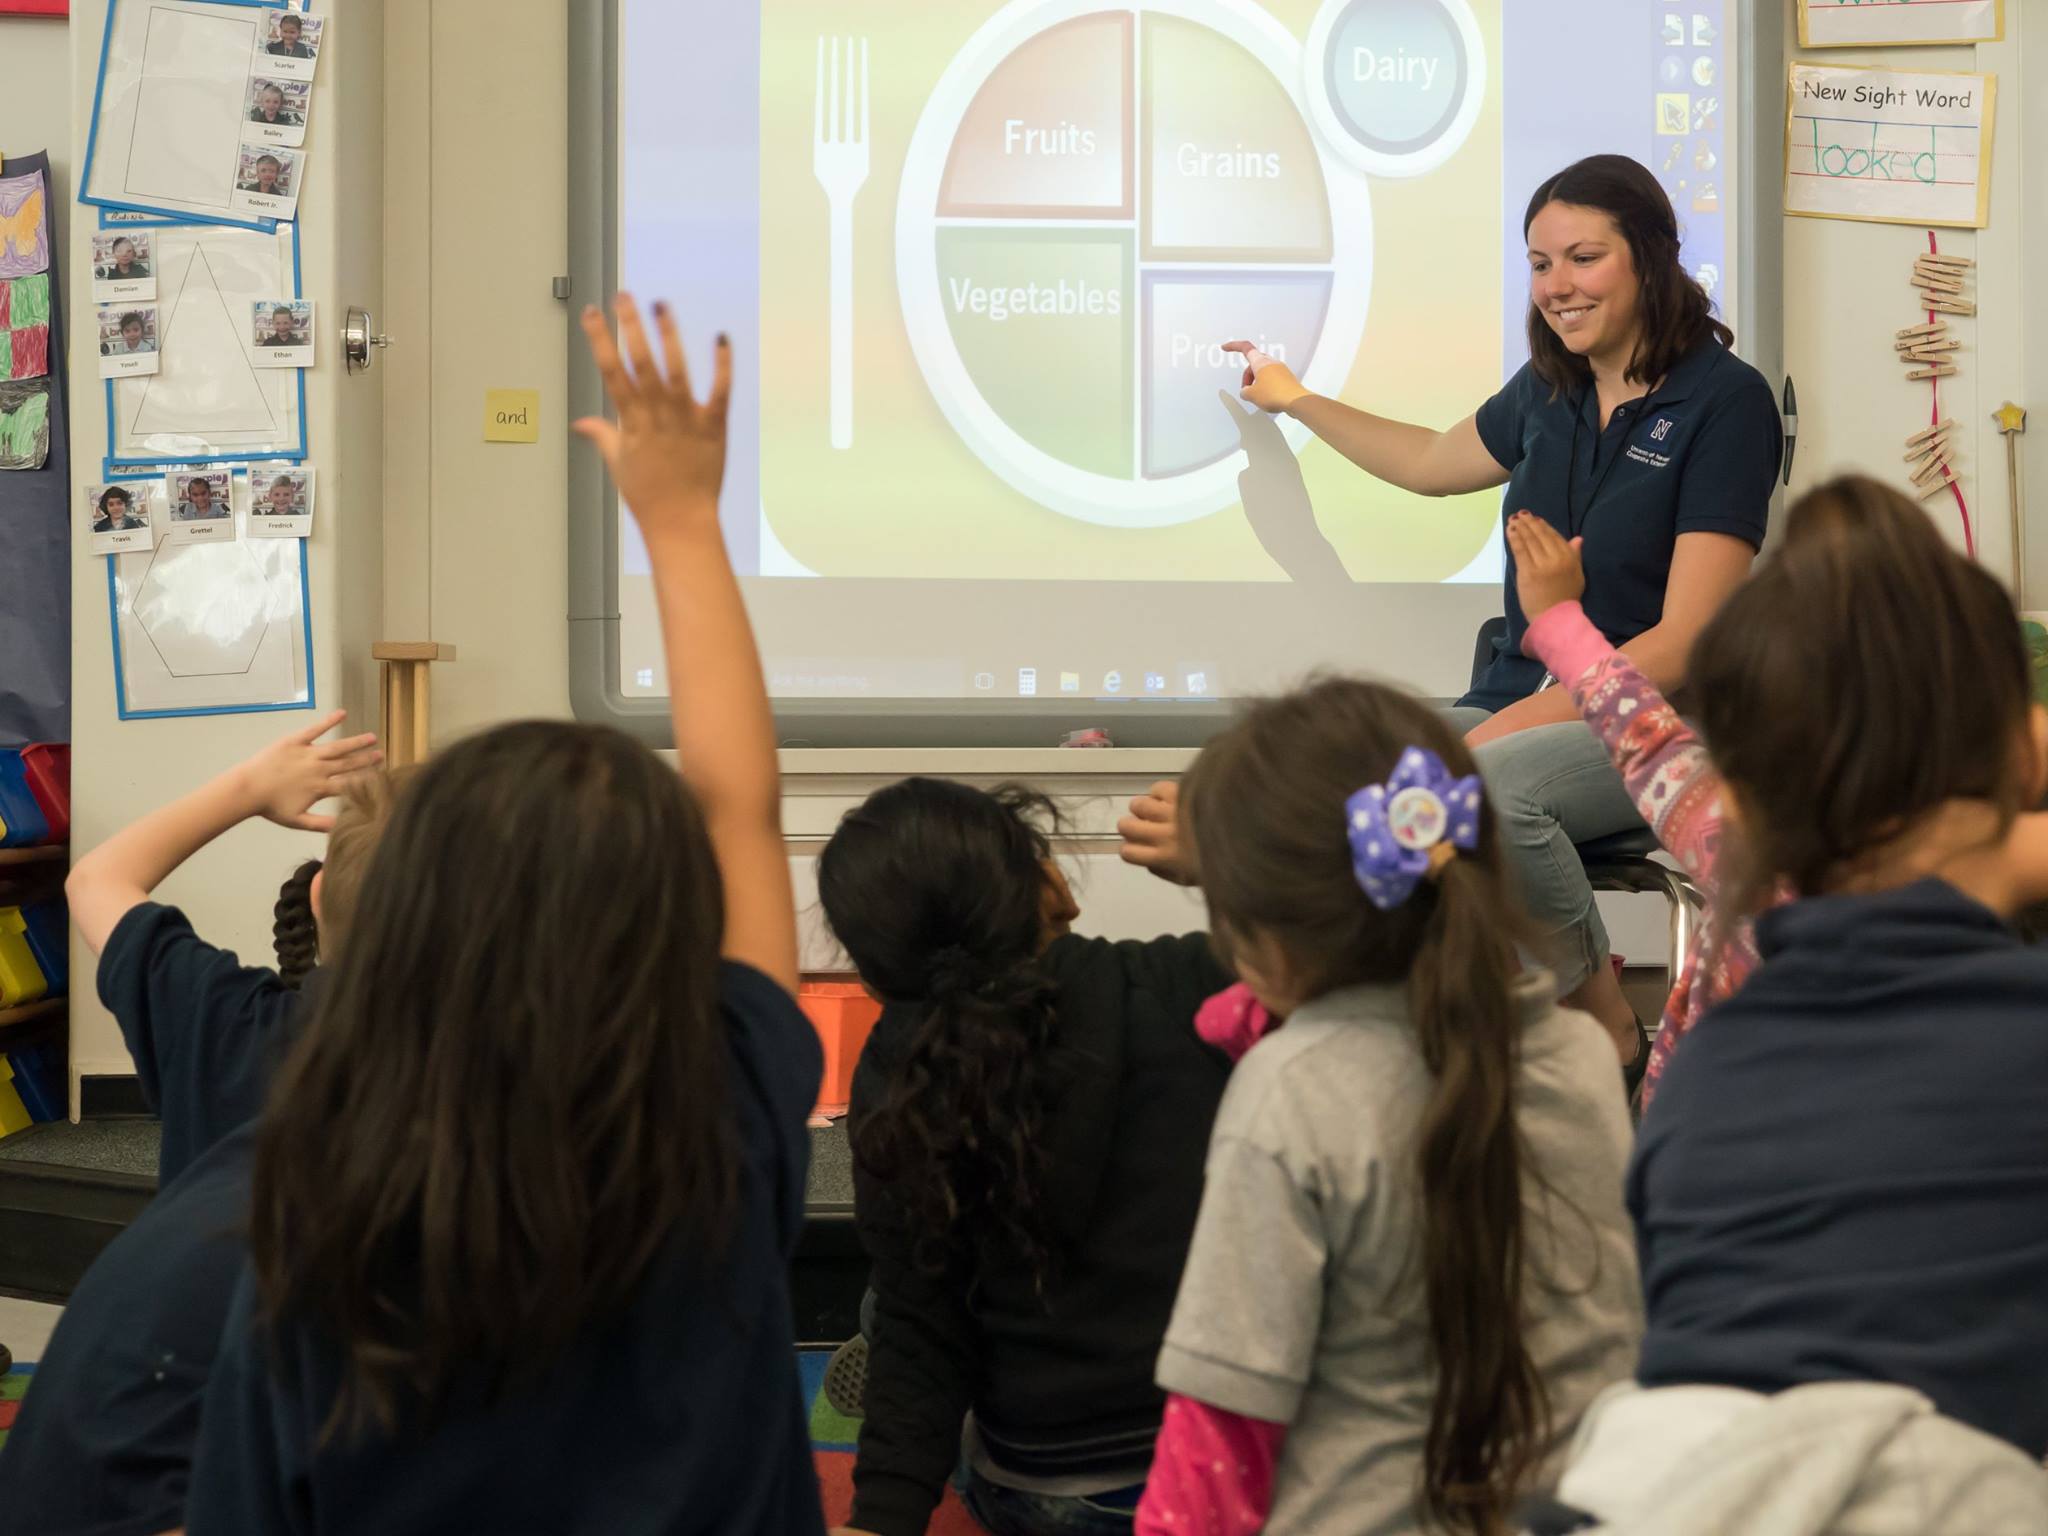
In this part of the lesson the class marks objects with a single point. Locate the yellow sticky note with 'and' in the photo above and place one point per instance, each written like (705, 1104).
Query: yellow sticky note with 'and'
(511, 415)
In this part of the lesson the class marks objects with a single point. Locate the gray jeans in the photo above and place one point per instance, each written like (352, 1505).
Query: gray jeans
(1554, 786)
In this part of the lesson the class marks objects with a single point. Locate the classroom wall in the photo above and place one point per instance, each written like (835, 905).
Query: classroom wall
(462, 147)
(1847, 291)
(122, 767)
(35, 108)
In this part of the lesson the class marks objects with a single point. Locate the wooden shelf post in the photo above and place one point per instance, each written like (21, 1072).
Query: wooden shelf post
(404, 696)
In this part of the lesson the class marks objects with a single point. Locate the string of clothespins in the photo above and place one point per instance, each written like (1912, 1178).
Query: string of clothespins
(1929, 354)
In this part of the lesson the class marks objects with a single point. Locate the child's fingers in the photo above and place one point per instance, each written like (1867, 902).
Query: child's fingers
(327, 722)
(672, 347)
(346, 746)
(307, 821)
(600, 434)
(721, 375)
(619, 386)
(633, 337)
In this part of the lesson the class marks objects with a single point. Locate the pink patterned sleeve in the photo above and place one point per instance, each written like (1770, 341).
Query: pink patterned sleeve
(1661, 759)
(1212, 1472)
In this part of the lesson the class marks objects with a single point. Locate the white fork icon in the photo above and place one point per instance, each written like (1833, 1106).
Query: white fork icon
(839, 159)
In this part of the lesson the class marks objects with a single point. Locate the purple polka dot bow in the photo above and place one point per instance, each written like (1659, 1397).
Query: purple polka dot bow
(1408, 828)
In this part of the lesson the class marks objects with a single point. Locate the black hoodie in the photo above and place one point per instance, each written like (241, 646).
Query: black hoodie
(1060, 1386)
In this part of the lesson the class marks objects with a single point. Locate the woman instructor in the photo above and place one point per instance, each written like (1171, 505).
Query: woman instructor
(1633, 427)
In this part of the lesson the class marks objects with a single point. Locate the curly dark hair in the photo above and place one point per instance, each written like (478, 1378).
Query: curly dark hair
(936, 890)
(293, 935)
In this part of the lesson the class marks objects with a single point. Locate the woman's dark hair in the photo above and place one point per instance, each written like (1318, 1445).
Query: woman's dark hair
(1864, 675)
(115, 493)
(936, 891)
(293, 935)
(1673, 313)
(513, 1094)
(1263, 809)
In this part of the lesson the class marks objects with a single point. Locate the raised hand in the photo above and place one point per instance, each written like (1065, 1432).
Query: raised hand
(666, 452)
(1547, 569)
(291, 775)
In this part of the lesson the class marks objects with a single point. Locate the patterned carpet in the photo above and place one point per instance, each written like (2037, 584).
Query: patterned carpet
(832, 1444)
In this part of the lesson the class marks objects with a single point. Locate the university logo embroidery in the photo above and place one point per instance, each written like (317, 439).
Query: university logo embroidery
(1661, 430)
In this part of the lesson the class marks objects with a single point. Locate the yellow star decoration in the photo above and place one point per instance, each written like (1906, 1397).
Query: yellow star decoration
(2010, 417)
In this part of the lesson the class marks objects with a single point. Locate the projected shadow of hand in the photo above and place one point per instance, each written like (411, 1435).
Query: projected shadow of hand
(1276, 500)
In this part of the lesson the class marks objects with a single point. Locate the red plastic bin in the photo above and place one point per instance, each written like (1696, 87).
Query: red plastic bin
(844, 1015)
(48, 767)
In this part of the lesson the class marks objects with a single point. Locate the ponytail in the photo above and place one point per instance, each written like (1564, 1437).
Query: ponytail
(938, 893)
(293, 934)
(1490, 1418)
(962, 1126)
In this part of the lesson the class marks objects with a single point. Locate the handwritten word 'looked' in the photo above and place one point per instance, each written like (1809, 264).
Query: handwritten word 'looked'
(1873, 164)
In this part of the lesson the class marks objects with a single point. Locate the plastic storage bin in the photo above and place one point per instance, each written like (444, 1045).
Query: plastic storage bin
(21, 979)
(844, 1016)
(48, 931)
(39, 1072)
(25, 824)
(47, 766)
(14, 1115)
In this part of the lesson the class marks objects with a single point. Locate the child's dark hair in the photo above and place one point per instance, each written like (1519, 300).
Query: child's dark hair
(1264, 810)
(1673, 313)
(1863, 677)
(513, 1094)
(936, 890)
(293, 935)
(300, 941)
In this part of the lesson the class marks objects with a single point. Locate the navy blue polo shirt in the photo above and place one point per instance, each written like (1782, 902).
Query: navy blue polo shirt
(1698, 454)
(1845, 1174)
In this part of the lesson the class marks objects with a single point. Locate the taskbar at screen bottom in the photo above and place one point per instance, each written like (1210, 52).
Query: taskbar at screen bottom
(1126, 643)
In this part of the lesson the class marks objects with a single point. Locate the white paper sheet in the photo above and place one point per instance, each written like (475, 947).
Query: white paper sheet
(212, 627)
(209, 400)
(169, 126)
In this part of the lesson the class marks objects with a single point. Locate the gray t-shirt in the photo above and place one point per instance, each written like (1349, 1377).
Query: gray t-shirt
(1302, 1301)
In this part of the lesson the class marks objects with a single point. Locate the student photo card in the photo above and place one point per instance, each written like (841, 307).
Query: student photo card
(202, 506)
(122, 267)
(130, 340)
(288, 45)
(277, 111)
(280, 501)
(267, 181)
(122, 515)
(281, 333)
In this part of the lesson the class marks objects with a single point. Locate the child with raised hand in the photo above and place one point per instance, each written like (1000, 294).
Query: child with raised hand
(1661, 759)
(106, 1443)
(1846, 1176)
(203, 1028)
(1028, 1120)
(527, 1189)
(1412, 1270)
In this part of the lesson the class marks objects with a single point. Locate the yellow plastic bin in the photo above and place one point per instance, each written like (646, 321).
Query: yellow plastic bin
(14, 1115)
(21, 979)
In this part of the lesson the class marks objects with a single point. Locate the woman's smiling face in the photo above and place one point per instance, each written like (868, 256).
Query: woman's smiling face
(1582, 278)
